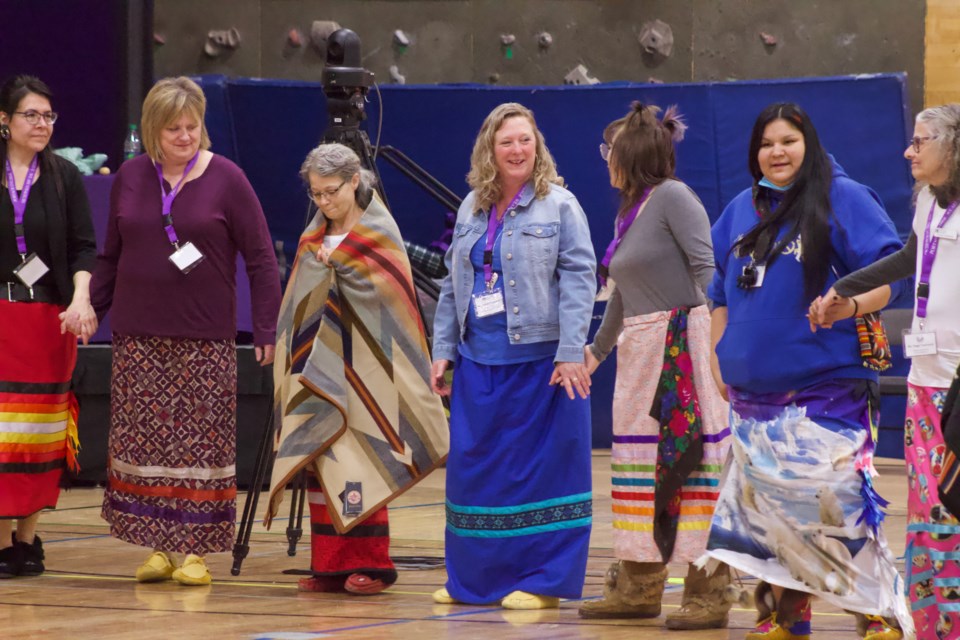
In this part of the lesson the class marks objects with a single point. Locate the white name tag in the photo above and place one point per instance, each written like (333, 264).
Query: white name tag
(186, 257)
(488, 303)
(761, 272)
(945, 234)
(31, 270)
(922, 343)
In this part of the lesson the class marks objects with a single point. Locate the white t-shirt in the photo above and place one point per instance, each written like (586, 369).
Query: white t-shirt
(331, 242)
(943, 306)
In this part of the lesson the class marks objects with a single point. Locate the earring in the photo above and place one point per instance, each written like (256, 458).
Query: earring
(4, 132)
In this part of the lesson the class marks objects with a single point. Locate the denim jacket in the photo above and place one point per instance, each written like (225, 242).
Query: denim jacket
(548, 274)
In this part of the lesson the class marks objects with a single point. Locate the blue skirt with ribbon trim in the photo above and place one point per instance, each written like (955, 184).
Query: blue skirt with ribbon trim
(518, 484)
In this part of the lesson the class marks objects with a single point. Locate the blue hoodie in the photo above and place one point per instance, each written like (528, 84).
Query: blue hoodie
(768, 345)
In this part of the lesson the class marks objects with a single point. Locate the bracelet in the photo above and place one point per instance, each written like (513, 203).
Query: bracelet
(856, 307)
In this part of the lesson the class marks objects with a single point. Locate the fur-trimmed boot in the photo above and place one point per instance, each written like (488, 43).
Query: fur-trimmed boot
(788, 619)
(630, 590)
(704, 605)
(877, 627)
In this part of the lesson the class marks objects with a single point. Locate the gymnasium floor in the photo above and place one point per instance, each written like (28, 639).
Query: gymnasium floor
(88, 591)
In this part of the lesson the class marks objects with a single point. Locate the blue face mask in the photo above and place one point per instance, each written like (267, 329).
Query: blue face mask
(769, 185)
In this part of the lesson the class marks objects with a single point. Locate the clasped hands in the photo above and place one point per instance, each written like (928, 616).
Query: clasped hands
(829, 308)
(80, 320)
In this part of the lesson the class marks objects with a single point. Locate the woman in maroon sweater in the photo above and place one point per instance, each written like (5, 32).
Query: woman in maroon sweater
(178, 217)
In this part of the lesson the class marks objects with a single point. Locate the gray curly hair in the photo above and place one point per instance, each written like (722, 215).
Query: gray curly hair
(944, 125)
(335, 159)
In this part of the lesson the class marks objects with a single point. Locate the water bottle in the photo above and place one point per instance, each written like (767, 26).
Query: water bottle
(131, 145)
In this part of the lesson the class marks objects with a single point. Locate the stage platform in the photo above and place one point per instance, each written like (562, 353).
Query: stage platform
(88, 591)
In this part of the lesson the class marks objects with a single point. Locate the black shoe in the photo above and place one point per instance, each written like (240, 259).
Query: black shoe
(32, 557)
(11, 561)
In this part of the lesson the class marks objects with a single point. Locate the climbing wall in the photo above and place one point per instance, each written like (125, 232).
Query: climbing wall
(542, 42)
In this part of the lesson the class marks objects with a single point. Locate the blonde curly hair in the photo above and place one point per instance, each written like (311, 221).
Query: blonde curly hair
(484, 178)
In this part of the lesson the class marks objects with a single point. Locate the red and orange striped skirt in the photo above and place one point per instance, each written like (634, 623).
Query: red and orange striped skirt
(38, 413)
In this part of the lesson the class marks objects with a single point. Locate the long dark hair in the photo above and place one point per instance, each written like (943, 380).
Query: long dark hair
(13, 91)
(643, 155)
(805, 209)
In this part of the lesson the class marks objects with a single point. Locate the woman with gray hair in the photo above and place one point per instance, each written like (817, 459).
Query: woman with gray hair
(352, 378)
(933, 345)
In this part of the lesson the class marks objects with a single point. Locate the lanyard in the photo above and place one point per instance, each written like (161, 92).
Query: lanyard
(623, 224)
(20, 204)
(493, 226)
(167, 199)
(930, 243)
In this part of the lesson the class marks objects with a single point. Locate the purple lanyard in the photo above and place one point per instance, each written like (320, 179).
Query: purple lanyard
(623, 224)
(493, 225)
(167, 199)
(930, 244)
(20, 204)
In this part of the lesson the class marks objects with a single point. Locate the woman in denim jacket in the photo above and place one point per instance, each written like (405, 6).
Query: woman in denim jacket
(514, 313)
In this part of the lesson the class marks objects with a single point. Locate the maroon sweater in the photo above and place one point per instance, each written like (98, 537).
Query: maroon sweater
(218, 212)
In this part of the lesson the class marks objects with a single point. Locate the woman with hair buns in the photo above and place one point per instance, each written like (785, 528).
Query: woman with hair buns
(798, 509)
(513, 314)
(179, 215)
(669, 419)
(932, 254)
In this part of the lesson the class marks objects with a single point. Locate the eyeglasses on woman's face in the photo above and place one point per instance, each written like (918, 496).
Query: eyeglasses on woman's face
(917, 142)
(33, 117)
(327, 194)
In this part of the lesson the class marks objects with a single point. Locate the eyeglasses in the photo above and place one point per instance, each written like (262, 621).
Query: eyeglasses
(328, 194)
(916, 141)
(605, 151)
(33, 117)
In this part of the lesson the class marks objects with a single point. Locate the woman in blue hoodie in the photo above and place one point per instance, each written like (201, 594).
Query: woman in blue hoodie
(798, 509)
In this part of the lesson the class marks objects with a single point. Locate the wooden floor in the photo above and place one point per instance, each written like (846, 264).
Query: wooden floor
(88, 590)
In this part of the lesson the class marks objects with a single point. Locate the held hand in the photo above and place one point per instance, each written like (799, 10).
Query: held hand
(80, 320)
(589, 360)
(830, 308)
(437, 381)
(264, 354)
(323, 255)
(573, 376)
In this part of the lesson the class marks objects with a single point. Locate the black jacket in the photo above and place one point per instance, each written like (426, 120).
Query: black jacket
(73, 245)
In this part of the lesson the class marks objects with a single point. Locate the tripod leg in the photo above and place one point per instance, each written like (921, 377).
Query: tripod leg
(294, 525)
(242, 546)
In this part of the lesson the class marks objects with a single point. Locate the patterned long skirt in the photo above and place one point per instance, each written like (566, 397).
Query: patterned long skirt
(519, 505)
(640, 356)
(364, 549)
(797, 506)
(172, 451)
(38, 413)
(933, 534)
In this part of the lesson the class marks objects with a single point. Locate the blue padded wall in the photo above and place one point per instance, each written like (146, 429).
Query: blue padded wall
(268, 126)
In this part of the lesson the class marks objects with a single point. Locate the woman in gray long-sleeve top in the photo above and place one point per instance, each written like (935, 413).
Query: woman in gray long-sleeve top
(669, 429)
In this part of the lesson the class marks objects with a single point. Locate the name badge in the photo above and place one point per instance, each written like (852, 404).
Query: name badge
(488, 303)
(945, 234)
(922, 343)
(31, 270)
(186, 257)
(761, 272)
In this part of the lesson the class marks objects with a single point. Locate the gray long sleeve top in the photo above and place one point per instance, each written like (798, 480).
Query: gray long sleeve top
(895, 266)
(664, 261)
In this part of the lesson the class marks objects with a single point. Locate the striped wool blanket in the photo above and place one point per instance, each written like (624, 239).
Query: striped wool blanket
(352, 398)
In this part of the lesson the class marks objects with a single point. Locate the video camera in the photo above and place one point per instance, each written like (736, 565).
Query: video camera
(345, 82)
